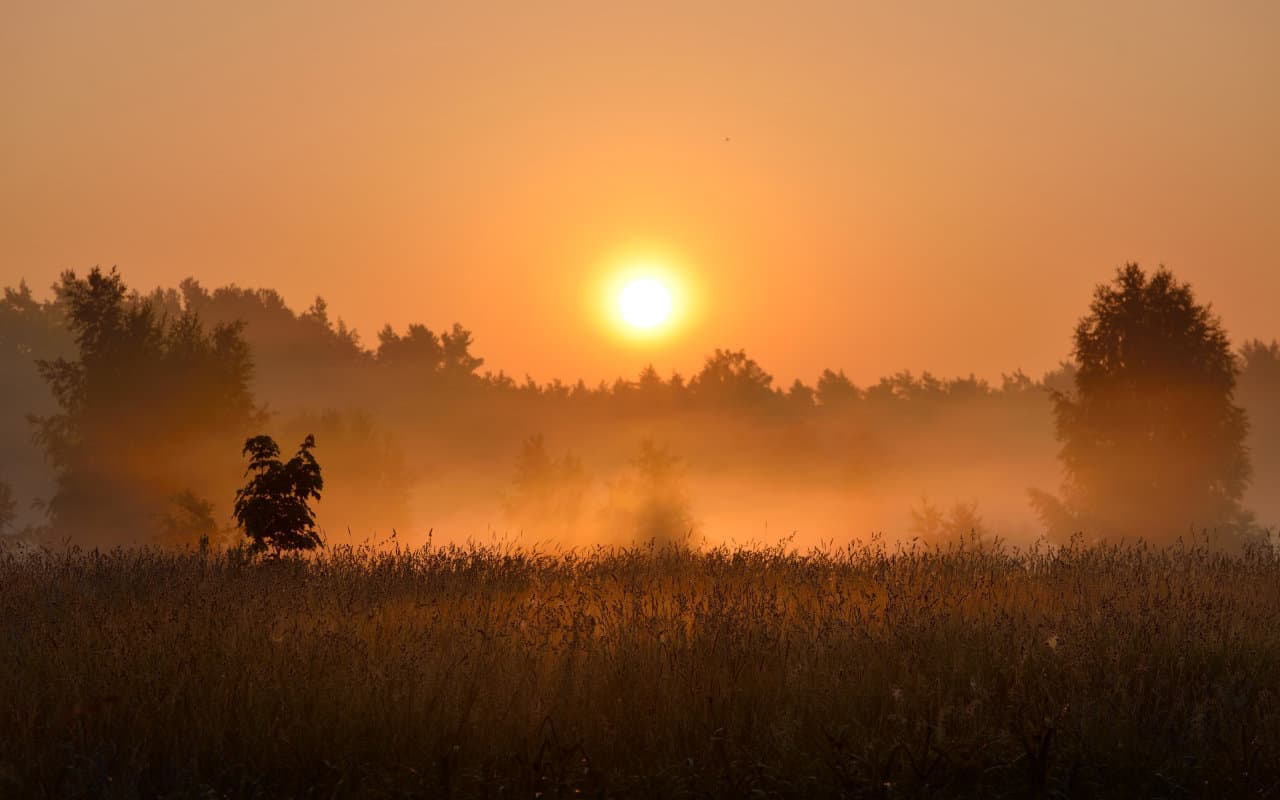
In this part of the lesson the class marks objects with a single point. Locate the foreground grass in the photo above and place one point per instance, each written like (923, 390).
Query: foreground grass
(495, 673)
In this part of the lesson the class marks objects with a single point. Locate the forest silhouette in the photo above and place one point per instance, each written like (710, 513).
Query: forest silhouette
(124, 413)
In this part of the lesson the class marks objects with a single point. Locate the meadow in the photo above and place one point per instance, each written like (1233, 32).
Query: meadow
(495, 671)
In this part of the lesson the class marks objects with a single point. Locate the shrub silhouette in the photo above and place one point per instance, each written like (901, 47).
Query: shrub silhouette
(961, 525)
(650, 504)
(273, 508)
(547, 494)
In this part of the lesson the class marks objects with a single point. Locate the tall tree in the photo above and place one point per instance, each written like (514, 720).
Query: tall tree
(1152, 442)
(142, 408)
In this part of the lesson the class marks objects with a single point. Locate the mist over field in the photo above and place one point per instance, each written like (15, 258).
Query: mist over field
(415, 435)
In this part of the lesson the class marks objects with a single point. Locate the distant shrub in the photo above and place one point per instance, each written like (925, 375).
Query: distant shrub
(650, 504)
(188, 520)
(961, 525)
(547, 494)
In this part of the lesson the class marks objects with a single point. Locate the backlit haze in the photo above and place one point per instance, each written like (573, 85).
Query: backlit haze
(869, 186)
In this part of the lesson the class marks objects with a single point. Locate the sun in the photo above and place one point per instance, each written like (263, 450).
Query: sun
(644, 303)
(644, 298)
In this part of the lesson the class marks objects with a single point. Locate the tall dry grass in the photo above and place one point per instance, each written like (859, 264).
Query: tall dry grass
(493, 672)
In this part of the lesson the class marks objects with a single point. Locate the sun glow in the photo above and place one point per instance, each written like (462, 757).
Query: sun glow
(644, 298)
(644, 303)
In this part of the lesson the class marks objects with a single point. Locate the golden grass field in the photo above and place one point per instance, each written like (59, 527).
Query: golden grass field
(499, 672)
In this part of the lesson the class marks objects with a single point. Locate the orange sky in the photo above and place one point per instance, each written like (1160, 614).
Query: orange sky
(906, 185)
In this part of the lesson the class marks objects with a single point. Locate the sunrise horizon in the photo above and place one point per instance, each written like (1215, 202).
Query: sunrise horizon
(806, 401)
(870, 168)
(640, 346)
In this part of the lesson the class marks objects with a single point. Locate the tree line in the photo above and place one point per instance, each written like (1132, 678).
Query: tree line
(134, 398)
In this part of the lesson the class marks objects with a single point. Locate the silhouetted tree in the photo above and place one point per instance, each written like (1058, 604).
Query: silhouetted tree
(426, 373)
(280, 337)
(1152, 441)
(800, 397)
(140, 407)
(730, 378)
(650, 382)
(274, 507)
(1016, 382)
(30, 329)
(1061, 380)
(1260, 370)
(290, 349)
(419, 349)
(458, 362)
(836, 391)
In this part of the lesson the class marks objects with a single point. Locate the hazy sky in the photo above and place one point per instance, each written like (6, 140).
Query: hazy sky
(905, 185)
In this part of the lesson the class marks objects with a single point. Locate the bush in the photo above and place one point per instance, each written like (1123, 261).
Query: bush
(274, 507)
